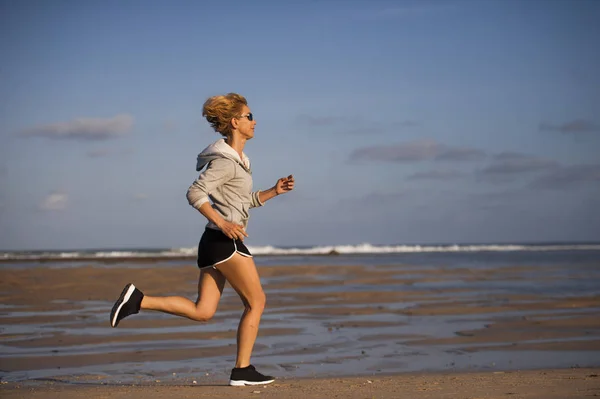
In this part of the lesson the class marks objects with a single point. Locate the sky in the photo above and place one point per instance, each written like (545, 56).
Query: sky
(403, 122)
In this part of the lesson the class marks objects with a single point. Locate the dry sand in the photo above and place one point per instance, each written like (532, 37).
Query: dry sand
(531, 384)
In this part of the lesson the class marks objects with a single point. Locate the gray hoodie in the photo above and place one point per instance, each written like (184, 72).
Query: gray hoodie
(227, 181)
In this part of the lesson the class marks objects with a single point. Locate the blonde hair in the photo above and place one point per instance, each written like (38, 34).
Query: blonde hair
(219, 110)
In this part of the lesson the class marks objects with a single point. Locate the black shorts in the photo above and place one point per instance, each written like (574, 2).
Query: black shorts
(215, 247)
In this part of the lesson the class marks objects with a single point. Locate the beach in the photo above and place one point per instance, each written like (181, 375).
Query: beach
(334, 326)
(546, 384)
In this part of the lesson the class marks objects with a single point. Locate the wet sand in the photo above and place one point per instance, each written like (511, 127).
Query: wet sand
(347, 323)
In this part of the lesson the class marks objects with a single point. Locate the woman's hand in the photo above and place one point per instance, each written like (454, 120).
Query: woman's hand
(232, 230)
(284, 185)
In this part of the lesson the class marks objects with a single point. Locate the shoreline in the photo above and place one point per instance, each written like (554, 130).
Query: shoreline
(311, 251)
(155, 258)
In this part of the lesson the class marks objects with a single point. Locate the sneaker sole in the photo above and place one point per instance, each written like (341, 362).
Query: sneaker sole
(125, 295)
(241, 383)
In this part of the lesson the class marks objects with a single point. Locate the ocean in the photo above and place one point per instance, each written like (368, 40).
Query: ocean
(269, 251)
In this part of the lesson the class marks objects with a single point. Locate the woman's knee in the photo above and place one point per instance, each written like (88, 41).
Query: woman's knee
(257, 302)
(203, 314)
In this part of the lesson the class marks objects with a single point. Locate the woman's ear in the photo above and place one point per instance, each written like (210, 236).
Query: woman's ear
(234, 123)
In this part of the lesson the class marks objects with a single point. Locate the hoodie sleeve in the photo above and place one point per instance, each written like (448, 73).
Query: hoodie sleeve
(218, 172)
(256, 200)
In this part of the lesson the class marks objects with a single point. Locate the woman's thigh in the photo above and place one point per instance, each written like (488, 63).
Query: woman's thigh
(210, 288)
(240, 271)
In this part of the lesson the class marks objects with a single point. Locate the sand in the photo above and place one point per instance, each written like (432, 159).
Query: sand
(366, 329)
(531, 384)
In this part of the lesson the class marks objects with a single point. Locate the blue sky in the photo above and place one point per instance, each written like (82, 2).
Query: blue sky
(402, 121)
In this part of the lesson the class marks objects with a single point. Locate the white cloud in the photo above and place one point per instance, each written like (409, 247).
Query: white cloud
(84, 128)
(54, 202)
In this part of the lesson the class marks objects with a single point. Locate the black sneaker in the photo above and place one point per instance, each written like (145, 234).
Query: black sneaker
(128, 303)
(248, 376)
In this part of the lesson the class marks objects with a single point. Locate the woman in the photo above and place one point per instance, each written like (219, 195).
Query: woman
(222, 255)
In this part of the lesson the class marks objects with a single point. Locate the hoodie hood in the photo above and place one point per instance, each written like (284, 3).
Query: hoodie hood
(220, 149)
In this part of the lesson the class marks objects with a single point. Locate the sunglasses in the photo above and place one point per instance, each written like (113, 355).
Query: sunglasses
(249, 116)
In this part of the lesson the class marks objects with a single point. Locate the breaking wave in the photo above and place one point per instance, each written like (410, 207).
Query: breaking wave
(268, 250)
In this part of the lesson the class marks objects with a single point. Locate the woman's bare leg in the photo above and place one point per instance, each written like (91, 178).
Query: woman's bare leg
(210, 288)
(241, 273)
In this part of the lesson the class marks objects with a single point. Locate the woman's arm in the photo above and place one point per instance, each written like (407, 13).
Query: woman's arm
(231, 230)
(217, 173)
(283, 185)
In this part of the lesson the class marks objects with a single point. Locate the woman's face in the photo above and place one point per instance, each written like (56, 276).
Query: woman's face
(245, 125)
